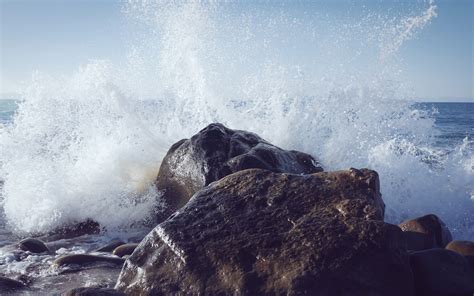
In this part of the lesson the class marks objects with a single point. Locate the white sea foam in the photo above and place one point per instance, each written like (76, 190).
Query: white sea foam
(89, 146)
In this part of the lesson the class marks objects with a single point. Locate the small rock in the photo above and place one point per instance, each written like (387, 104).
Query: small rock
(33, 245)
(110, 246)
(88, 291)
(7, 284)
(440, 272)
(465, 248)
(85, 259)
(425, 233)
(123, 250)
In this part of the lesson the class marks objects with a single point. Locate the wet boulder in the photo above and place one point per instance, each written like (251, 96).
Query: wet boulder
(440, 272)
(217, 151)
(465, 248)
(256, 232)
(33, 245)
(425, 233)
(85, 259)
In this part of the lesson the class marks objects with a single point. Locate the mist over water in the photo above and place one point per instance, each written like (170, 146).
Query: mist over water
(90, 145)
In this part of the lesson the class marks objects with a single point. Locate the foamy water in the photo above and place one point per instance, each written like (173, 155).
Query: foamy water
(90, 145)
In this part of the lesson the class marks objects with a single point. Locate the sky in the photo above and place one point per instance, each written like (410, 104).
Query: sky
(57, 36)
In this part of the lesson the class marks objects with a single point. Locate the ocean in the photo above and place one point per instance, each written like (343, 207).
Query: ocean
(454, 121)
(89, 145)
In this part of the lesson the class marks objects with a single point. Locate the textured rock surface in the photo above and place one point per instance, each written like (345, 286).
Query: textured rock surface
(440, 272)
(217, 151)
(33, 245)
(261, 233)
(425, 233)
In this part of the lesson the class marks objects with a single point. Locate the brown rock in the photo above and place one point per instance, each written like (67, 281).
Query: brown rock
(440, 272)
(33, 245)
(261, 233)
(465, 248)
(126, 249)
(217, 151)
(425, 233)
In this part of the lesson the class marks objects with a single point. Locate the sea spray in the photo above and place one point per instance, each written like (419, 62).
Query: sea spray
(74, 152)
(90, 145)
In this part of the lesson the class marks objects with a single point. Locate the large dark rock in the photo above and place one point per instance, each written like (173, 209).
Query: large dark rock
(440, 272)
(261, 233)
(425, 232)
(217, 151)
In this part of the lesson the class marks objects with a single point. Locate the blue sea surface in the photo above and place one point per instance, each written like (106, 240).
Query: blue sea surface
(454, 121)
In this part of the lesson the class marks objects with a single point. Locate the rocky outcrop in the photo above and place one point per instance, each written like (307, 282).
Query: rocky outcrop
(440, 272)
(256, 232)
(425, 233)
(217, 151)
(33, 245)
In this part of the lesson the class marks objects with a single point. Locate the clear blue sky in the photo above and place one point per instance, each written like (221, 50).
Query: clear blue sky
(57, 36)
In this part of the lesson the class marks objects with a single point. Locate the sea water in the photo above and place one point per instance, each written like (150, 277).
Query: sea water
(88, 146)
